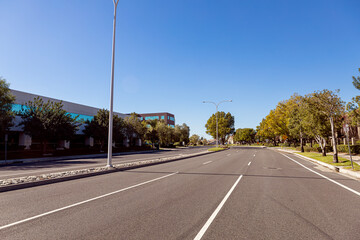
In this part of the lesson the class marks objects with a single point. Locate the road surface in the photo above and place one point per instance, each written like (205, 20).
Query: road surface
(241, 193)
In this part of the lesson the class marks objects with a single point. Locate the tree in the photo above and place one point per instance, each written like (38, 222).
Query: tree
(165, 133)
(356, 81)
(134, 128)
(151, 132)
(6, 101)
(182, 133)
(264, 130)
(225, 126)
(245, 135)
(47, 121)
(98, 128)
(194, 139)
(297, 118)
(329, 104)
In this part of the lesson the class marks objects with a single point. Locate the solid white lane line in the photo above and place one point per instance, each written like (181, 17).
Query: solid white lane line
(207, 162)
(217, 210)
(249, 163)
(82, 202)
(333, 181)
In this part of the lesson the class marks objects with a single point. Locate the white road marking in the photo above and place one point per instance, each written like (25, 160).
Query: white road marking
(217, 210)
(249, 163)
(333, 181)
(207, 162)
(229, 154)
(254, 155)
(83, 202)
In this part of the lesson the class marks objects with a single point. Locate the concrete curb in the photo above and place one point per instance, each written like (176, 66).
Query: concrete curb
(331, 167)
(73, 157)
(79, 176)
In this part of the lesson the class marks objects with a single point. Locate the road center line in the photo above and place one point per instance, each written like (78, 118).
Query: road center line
(333, 181)
(207, 162)
(249, 163)
(83, 202)
(217, 210)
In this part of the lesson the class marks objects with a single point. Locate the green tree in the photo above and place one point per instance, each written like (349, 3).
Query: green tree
(182, 134)
(47, 121)
(245, 135)
(6, 101)
(194, 139)
(151, 131)
(134, 128)
(165, 133)
(326, 104)
(98, 128)
(225, 126)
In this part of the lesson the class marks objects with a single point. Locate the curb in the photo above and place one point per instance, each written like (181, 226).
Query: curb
(331, 167)
(85, 175)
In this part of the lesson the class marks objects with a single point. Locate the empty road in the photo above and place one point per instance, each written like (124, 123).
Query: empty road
(241, 193)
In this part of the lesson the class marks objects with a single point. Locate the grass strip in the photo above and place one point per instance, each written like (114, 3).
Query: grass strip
(343, 162)
(215, 149)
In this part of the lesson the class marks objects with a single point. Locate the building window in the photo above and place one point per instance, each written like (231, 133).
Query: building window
(162, 117)
(152, 117)
(172, 119)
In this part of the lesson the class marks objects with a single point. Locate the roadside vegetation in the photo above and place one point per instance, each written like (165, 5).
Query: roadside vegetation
(216, 149)
(343, 162)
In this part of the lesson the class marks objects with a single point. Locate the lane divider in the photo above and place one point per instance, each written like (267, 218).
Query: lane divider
(217, 210)
(333, 181)
(249, 163)
(207, 162)
(83, 202)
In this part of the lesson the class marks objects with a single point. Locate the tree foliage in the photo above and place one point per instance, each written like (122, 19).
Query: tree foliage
(194, 139)
(225, 126)
(47, 121)
(98, 128)
(246, 135)
(6, 101)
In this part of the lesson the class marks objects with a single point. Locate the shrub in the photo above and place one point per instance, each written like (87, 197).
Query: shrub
(345, 149)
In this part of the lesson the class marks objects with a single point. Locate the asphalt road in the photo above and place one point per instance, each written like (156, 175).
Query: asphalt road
(242, 193)
(28, 169)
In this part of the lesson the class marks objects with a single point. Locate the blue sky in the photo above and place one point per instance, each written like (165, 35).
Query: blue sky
(172, 55)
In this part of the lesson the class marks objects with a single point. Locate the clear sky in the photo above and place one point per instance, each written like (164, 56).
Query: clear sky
(173, 54)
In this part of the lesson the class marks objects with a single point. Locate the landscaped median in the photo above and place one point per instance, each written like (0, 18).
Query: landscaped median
(216, 149)
(43, 179)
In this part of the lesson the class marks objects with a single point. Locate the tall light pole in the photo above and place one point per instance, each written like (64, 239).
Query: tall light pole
(216, 115)
(109, 163)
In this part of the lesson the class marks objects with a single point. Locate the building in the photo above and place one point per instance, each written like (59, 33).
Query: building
(167, 117)
(82, 111)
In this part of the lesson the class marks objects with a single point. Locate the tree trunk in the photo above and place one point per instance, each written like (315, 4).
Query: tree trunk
(301, 142)
(322, 143)
(44, 144)
(335, 157)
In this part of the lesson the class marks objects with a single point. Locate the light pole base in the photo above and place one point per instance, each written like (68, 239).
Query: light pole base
(109, 166)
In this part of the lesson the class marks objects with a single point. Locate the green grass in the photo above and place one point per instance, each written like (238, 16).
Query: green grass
(329, 159)
(215, 149)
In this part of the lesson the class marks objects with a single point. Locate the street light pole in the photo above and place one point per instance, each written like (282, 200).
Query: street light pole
(109, 159)
(347, 130)
(216, 116)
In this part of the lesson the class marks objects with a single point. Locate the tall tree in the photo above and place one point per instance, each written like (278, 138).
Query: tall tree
(6, 101)
(182, 133)
(194, 139)
(47, 121)
(151, 131)
(165, 133)
(225, 126)
(245, 135)
(330, 105)
(134, 128)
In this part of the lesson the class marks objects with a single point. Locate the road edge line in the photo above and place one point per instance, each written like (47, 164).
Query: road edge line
(217, 210)
(327, 178)
(83, 202)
